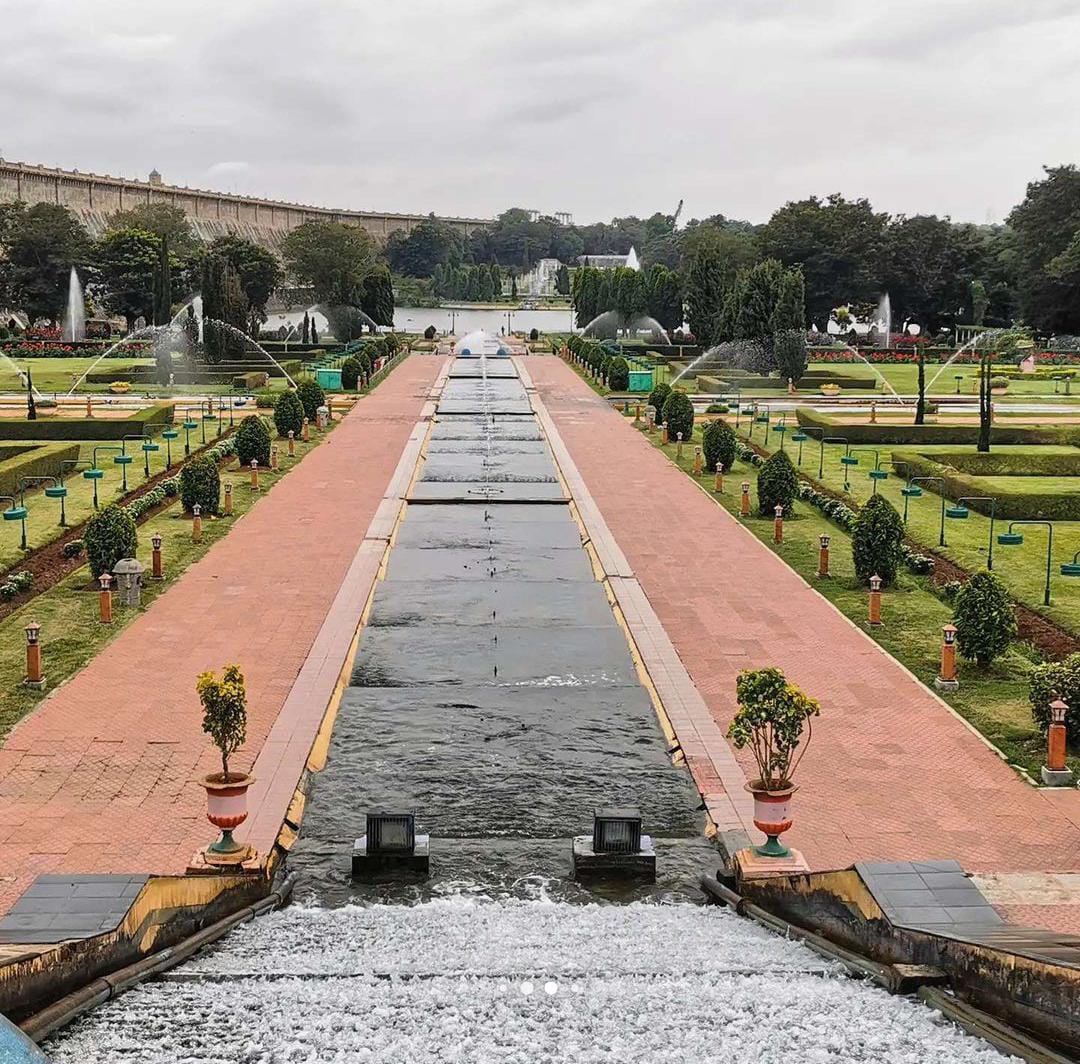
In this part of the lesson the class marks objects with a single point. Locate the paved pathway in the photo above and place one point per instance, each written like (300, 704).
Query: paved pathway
(891, 774)
(101, 777)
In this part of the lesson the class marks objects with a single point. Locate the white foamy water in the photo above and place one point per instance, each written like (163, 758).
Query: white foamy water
(513, 982)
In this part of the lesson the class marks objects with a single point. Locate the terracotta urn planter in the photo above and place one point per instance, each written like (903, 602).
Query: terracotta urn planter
(830, 389)
(772, 815)
(226, 809)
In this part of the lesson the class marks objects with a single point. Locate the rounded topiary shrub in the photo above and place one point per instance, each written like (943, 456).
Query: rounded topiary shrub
(350, 373)
(619, 375)
(605, 368)
(109, 536)
(777, 485)
(311, 397)
(877, 540)
(985, 622)
(288, 414)
(719, 446)
(1054, 680)
(429, 333)
(679, 416)
(253, 441)
(657, 397)
(200, 483)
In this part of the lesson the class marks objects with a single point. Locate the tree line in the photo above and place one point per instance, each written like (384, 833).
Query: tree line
(149, 261)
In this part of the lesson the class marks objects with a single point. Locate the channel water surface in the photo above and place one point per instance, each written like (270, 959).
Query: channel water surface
(494, 694)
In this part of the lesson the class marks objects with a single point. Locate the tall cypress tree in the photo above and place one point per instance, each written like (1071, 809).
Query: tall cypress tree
(163, 285)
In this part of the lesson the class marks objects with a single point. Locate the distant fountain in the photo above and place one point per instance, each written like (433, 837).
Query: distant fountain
(24, 377)
(632, 260)
(135, 334)
(240, 334)
(883, 320)
(611, 324)
(75, 317)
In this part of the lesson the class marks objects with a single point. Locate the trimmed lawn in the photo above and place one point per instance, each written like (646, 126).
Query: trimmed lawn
(71, 633)
(994, 700)
(1023, 569)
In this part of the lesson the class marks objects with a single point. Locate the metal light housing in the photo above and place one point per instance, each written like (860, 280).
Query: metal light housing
(949, 632)
(391, 832)
(617, 830)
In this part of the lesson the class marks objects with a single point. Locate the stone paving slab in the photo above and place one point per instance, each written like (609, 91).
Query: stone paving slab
(56, 908)
(102, 777)
(893, 774)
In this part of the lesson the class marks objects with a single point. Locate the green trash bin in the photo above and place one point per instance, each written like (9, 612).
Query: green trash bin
(329, 379)
(641, 380)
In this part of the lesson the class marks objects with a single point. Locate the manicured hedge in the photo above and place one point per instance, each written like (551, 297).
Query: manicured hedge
(1004, 464)
(253, 441)
(679, 416)
(200, 484)
(32, 460)
(77, 428)
(1048, 506)
(109, 536)
(288, 414)
(251, 381)
(915, 434)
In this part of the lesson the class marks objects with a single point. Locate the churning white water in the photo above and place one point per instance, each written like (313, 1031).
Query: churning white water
(511, 982)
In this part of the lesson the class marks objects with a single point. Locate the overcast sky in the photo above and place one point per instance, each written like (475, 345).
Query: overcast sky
(597, 107)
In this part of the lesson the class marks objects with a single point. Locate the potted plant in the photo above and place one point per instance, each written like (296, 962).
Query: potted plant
(224, 703)
(999, 385)
(830, 389)
(770, 720)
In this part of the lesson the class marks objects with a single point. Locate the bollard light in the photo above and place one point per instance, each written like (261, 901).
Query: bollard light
(1055, 772)
(875, 601)
(946, 680)
(34, 678)
(698, 462)
(292, 443)
(254, 474)
(196, 523)
(678, 446)
(273, 457)
(744, 505)
(718, 479)
(823, 555)
(105, 599)
(778, 524)
(156, 571)
(307, 430)
(228, 500)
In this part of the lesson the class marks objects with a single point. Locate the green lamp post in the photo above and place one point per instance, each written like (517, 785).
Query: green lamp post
(15, 512)
(168, 436)
(1016, 539)
(54, 490)
(800, 438)
(909, 493)
(188, 426)
(821, 451)
(960, 512)
(877, 473)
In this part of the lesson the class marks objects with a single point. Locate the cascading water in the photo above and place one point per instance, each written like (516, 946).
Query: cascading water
(135, 334)
(883, 321)
(75, 316)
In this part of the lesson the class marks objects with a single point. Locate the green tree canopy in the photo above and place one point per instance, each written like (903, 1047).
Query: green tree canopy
(377, 301)
(837, 242)
(258, 271)
(125, 263)
(1047, 229)
(428, 244)
(333, 258)
(38, 247)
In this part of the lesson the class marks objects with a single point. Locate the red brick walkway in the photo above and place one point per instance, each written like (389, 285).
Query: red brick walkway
(891, 774)
(101, 777)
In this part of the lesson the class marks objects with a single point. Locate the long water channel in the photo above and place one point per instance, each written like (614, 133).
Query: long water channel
(494, 694)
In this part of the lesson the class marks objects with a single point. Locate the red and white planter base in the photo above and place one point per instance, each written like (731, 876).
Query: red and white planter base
(226, 808)
(772, 815)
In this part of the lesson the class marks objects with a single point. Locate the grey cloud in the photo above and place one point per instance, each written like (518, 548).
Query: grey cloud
(601, 107)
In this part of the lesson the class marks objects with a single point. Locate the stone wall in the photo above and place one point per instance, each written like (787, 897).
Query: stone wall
(95, 197)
